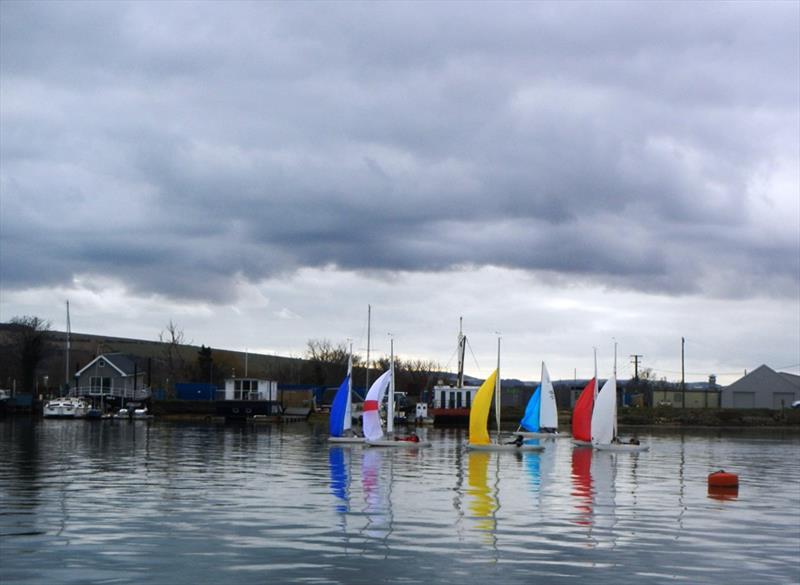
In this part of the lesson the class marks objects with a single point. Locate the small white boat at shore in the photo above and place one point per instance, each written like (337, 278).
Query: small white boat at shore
(135, 414)
(65, 407)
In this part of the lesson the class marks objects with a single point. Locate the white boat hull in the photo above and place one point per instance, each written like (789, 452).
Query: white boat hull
(504, 448)
(622, 447)
(578, 443)
(65, 408)
(399, 444)
(529, 435)
(346, 440)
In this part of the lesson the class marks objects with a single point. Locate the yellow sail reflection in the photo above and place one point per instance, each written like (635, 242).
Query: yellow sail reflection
(482, 502)
(479, 413)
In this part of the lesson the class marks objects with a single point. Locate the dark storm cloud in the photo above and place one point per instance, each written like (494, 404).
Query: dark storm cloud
(173, 144)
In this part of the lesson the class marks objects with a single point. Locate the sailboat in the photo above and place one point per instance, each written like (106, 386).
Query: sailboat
(604, 421)
(66, 406)
(373, 431)
(541, 416)
(479, 417)
(582, 415)
(341, 418)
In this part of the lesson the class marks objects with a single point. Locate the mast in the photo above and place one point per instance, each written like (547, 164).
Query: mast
(596, 381)
(390, 401)
(348, 410)
(66, 351)
(369, 323)
(462, 345)
(497, 387)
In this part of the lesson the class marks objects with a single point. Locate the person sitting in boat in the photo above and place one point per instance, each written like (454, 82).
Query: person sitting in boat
(616, 441)
(547, 430)
(634, 441)
(517, 441)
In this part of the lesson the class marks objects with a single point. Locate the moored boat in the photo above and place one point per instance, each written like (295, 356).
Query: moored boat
(65, 407)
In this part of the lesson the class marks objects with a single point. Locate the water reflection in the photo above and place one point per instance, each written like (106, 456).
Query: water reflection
(377, 494)
(340, 478)
(106, 502)
(482, 499)
(582, 484)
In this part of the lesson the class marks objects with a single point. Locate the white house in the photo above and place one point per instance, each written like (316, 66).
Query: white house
(250, 389)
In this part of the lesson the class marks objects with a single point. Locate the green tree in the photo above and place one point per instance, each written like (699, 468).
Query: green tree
(30, 347)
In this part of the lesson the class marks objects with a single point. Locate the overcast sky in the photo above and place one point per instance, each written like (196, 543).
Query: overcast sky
(566, 174)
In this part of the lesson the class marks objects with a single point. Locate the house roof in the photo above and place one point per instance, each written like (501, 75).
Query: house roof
(763, 373)
(791, 378)
(125, 364)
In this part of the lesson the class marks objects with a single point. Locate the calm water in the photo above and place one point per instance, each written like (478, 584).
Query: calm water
(100, 502)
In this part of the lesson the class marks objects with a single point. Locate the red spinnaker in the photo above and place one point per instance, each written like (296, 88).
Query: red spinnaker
(582, 414)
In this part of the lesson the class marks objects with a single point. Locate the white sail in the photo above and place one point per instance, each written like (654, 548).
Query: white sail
(372, 417)
(604, 416)
(548, 415)
(348, 416)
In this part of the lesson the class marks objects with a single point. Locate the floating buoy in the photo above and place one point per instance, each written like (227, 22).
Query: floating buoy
(722, 479)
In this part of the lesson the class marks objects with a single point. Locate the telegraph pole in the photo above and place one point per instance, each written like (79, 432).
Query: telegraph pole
(636, 357)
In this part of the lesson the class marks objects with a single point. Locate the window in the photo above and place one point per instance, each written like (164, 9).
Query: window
(458, 399)
(99, 385)
(469, 398)
(443, 400)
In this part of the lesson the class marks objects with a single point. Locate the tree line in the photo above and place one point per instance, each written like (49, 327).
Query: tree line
(30, 354)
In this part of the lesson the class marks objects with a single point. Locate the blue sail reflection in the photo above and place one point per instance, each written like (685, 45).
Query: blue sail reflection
(340, 480)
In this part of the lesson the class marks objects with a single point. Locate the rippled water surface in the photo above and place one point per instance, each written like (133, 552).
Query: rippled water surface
(102, 502)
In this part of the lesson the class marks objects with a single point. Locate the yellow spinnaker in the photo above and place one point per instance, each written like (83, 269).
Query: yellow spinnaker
(479, 413)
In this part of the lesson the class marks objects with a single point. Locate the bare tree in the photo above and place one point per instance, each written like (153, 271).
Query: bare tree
(328, 361)
(172, 339)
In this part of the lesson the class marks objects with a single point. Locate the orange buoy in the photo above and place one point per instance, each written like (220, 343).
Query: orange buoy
(723, 479)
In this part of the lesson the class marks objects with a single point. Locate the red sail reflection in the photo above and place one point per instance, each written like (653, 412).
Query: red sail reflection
(582, 483)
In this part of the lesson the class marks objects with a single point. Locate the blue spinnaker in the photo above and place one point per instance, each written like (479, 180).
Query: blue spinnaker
(530, 421)
(339, 408)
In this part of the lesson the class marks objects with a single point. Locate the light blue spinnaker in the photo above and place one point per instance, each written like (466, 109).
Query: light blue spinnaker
(530, 421)
(339, 409)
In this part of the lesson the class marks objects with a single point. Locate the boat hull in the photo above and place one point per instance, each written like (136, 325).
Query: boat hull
(397, 444)
(504, 448)
(346, 440)
(65, 409)
(622, 447)
(529, 435)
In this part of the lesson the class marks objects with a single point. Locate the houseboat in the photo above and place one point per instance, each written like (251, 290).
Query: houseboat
(450, 405)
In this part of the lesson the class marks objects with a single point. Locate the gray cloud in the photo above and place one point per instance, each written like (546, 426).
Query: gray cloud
(168, 144)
